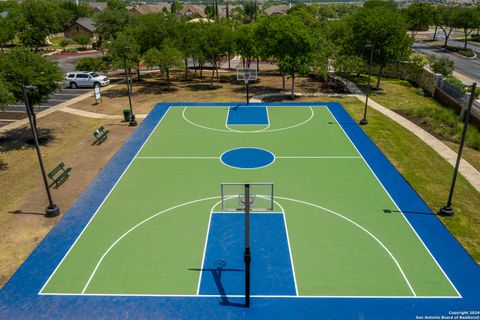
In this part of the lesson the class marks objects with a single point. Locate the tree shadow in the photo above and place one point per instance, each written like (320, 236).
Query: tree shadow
(157, 87)
(217, 278)
(20, 138)
(3, 165)
(203, 87)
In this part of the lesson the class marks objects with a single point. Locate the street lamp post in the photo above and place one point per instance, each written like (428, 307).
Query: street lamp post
(52, 210)
(364, 121)
(447, 210)
(132, 122)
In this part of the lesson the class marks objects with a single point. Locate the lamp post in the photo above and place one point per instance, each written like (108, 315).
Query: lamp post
(447, 210)
(364, 121)
(52, 210)
(132, 122)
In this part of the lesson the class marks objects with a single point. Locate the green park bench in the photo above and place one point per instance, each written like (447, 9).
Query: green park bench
(59, 174)
(100, 135)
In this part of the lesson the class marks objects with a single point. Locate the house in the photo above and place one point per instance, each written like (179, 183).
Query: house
(190, 10)
(98, 6)
(151, 8)
(83, 26)
(277, 10)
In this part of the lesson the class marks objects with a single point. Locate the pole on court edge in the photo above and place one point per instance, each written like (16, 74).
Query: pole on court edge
(447, 210)
(247, 258)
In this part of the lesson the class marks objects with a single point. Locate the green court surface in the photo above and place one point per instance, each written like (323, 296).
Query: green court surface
(346, 236)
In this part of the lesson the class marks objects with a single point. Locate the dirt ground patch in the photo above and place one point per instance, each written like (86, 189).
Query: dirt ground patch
(23, 201)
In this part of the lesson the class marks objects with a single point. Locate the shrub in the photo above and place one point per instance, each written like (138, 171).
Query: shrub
(446, 122)
(444, 66)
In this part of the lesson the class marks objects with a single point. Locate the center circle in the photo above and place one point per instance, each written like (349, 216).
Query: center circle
(247, 158)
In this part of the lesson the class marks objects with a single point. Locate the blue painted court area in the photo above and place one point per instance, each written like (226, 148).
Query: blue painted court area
(20, 298)
(247, 158)
(244, 115)
(271, 270)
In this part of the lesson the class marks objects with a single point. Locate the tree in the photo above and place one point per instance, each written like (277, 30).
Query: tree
(288, 40)
(113, 20)
(444, 19)
(175, 7)
(97, 64)
(6, 97)
(385, 30)
(8, 27)
(246, 44)
(40, 18)
(250, 9)
(165, 58)
(23, 67)
(212, 44)
(386, 4)
(467, 19)
(64, 43)
(419, 16)
(82, 40)
(124, 47)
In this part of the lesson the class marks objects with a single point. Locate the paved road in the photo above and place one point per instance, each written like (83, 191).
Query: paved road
(453, 42)
(465, 66)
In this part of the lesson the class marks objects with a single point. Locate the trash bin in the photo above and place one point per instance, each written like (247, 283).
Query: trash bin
(127, 115)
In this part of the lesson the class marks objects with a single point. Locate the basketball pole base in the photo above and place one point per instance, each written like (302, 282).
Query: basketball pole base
(446, 211)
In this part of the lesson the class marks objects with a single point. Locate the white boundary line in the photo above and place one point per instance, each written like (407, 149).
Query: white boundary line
(179, 158)
(398, 208)
(218, 158)
(133, 228)
(361, 228)
(278, 197)
(216, 197)
(241, 296)
(105, 199)
(289, 248)
(265, 131)
(321, 157)
(205, 246)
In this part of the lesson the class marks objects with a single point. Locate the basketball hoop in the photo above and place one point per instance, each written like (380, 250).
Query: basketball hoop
(246, 75)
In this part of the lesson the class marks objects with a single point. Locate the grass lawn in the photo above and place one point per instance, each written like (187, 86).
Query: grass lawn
(401, 96)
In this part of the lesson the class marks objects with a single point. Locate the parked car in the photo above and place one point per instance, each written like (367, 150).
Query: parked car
(84, 79)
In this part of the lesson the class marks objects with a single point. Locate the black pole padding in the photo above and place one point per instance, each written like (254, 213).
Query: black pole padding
(447, 210)
(247, 258)
(52, 210)
(248, 95)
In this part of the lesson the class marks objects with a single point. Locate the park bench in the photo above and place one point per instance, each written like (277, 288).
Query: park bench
(59, 174)
(100, 135)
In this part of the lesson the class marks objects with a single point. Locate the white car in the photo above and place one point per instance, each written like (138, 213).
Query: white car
(84, 79)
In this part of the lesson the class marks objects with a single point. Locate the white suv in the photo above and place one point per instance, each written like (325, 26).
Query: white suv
(79, 79)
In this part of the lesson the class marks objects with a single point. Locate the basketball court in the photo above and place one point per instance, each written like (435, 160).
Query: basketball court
(334, 231)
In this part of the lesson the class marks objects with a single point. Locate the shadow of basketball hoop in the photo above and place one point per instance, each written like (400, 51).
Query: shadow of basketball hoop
(216, 272)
